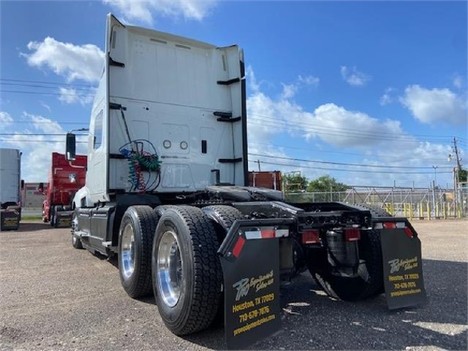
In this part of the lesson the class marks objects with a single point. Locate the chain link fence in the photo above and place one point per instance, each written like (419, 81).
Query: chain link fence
(422, 203)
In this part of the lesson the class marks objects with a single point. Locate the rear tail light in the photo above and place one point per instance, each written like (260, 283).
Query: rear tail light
(352, 234)
(396, 225)
(310, 236)
(409, 232)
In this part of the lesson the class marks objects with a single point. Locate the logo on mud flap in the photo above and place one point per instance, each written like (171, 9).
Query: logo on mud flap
(397, 264)
(243, 286)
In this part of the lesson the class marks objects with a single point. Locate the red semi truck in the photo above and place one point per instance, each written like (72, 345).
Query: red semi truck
(65, 178)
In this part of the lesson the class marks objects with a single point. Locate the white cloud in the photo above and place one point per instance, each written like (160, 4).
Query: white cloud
(388, 97)
(435, 105)
(289, 90)
(329, 119)
(68, 96)
(353, 77)
(37, 149)
(71, 96)
(332, 127)
(71, 61)
(458, 81)
(144, 10)
(5, 119)
(309, 80)
(47, 107)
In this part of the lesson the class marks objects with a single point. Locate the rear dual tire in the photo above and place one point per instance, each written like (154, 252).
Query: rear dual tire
(134, 251)
(187, 275)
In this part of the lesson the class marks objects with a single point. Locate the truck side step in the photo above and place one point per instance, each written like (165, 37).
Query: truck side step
(107, 244)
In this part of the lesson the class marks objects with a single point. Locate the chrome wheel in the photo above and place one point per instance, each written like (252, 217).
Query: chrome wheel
(128, 251)
(169, 269)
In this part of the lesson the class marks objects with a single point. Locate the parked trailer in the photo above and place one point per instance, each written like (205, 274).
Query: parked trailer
(266, 179)
(10, 189)
(166, 191)
(65, 178)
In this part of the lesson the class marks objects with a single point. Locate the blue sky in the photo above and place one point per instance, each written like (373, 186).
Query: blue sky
(370, 93)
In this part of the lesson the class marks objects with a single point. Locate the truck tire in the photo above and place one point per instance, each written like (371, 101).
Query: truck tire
(134, 251)
(76, 241)
(223, 216)
(57, 209)
(52, 216)
(368, 284)
(187, 275)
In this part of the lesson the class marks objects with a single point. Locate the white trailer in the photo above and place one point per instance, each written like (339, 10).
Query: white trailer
(10, 188)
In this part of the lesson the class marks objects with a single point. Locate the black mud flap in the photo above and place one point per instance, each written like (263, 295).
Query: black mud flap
(9, 220)
(402, 266)
(63, 219)
(251, 289)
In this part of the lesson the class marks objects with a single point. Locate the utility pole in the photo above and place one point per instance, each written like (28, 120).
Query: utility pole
(457, 157)
(456, 173)
(258, 161)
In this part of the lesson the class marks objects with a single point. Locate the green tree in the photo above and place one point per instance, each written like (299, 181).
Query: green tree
(326, 184)
(294, 182)
(462, 175)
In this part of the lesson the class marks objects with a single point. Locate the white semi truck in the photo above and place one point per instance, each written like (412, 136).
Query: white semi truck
(10, 189)
(166, 190)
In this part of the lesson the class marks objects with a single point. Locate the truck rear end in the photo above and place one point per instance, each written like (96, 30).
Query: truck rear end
(10, 189)
(167, 191)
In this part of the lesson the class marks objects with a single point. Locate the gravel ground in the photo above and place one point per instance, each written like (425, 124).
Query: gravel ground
(53, 297)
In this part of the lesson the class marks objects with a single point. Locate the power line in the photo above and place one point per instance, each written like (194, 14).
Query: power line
(35, 134)
(37, 141)
(345, 170)
(48, 122)
(340, 132)
(44, 82)
(46, 93)
(343, 163)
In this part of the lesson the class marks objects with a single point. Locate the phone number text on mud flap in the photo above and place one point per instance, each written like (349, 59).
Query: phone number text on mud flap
(255, 313)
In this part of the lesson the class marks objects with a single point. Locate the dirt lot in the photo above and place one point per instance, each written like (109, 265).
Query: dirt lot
(53, 297)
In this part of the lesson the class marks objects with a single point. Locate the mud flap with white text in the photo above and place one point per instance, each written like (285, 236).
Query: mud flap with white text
(402, 266)
(251, 291)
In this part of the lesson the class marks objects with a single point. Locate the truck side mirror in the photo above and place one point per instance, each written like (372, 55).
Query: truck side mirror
(70, 148)
(40, 188)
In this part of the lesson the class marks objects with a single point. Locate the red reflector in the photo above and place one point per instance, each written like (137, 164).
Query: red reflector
(310, 236)
(408, 232)
(389, 225)
(268, 233)
(238, 246)
(352, 234)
